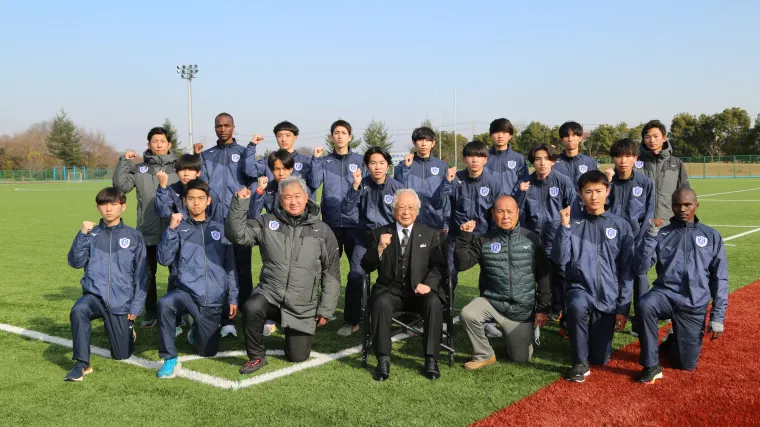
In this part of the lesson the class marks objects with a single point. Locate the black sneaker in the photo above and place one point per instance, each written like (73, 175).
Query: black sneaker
(650, 375)
(578, 373)
(254, 365)
(78, 372)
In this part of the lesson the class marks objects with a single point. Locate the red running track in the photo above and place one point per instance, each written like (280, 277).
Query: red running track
(724, 390)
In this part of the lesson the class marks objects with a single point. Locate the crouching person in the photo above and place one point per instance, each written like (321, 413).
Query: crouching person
(205, 264)
(298, 252)
(691, 269)
(114, 284)
(515, 284)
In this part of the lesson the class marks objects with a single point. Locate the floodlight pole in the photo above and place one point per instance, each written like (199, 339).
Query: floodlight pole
(188, 73)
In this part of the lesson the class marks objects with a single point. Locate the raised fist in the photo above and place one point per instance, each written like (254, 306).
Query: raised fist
(524, 186)
(163, 179)
(357, 178)
(256, 139)
(610, 173)
(87, 226)
(175, 220)
(197, 148)
(319, 151)
(244, 193)
(385, 240)
(130, 154)
(263, 181)
(468, 226)
(451, 173)
(408, 159)
(564, 216)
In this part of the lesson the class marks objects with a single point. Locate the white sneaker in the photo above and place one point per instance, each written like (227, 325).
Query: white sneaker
(270, 328)
(492, 331)
(229, 330)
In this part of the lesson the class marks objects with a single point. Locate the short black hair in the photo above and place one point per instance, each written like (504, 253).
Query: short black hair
(377, 150)
(570, 127)
(188, 162)
(475, 149)
(651, 125)
(423, 132)
(342, 123)
(545, 147)
(624, 147)
(288, 162)
(157, 131)
(224, 115)
(593, 177)
(501, 125)
(197, 184)
(110, 195)
(286, 125)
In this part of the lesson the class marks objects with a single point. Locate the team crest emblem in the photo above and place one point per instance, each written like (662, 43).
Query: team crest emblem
(434, 170)
(611, 233)
(495, 247)
(701, 241)
(124, 243)
(511, 164)
(388, 199)
(274, 225)
(143, 169)
(484, 191)
(298, 166)
(639, 164)
(235, 157)
(554, 191)
(216, 235)
(352, 167)
(583, 168)
(637, 191)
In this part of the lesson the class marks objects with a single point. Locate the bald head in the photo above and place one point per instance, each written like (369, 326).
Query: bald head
(505, 212)
(685, 204)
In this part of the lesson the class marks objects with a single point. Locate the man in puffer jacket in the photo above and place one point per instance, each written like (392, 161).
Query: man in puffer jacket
(142, 177)
(206, 281)
(298, 253)
(513, 264)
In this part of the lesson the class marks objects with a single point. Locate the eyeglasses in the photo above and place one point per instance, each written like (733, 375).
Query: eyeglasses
(406, 208)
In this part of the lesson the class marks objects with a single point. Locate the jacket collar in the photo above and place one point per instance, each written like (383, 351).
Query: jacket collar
(680, 224)
(223, 146)
(119, 226)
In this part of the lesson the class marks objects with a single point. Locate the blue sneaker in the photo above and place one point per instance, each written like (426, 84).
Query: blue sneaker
(170, 369)
(78, 372)
(190, 333)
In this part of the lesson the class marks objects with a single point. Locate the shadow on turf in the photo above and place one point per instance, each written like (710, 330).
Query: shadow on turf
(69, 293)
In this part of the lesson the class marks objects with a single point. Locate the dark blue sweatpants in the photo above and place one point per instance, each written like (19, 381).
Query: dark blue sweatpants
(207, 324)
(688, 328)
(119, 329)
(591, 330)
(353, 298)
(453, 273)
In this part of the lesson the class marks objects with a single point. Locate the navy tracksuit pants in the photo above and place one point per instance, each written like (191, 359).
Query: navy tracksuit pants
(688, 328)
(119, 329)
(206, 328)
(353, 297)
(591, 330)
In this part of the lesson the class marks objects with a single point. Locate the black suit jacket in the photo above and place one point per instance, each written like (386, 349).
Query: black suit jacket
(427, 260)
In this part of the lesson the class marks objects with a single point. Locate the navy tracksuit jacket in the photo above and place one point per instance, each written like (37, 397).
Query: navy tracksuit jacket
(574, 167)
(336, 172)
(509, 165)
(256, 168)
(222, 166)
(425, 176)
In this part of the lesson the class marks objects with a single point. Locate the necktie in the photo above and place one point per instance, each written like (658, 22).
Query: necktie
(404, 240)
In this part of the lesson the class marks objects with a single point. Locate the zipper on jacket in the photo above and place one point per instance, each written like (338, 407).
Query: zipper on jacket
(598, 247)
(543, 208)
(205, 266)
(110, 236)
(290, 260)
(341, 192)
(509, 264)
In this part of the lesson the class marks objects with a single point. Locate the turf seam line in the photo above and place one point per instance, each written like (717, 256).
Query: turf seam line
(736, 236)
(729, 192)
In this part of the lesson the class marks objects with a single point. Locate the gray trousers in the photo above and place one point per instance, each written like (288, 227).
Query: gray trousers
(519, 336)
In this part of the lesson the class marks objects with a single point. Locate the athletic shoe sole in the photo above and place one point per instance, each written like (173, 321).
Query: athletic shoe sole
(654, 379)
(587, 373)
(174, 373)
(86, 372)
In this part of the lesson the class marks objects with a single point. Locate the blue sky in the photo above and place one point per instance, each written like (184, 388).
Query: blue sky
(113, 68)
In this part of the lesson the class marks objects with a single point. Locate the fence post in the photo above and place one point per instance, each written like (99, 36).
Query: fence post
(704, 167)
(734, 166)
(84, 172)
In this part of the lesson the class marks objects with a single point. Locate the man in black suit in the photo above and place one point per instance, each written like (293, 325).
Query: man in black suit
(410, 262)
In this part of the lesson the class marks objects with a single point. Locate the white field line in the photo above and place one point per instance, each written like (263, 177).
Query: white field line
(736, 236)
(729, 201)
(727, 192)
(734, 226)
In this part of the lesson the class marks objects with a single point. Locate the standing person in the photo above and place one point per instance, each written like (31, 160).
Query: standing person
(114, 282)
(571, 162)
(631, 197)
(336, 172)
(657, 161)
(692, 269)
(286, 134)
(143, 178)
(299, 253)
(224, 170)
(470, 193)
(424, 173)
(541, 199)
(206, 287)
(514, 282)
(597, 253)
(410, 263)
(371, 197)
(509, 165)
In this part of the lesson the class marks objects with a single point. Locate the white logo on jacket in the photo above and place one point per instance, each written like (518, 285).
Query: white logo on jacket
(274, 225)
(611, 233)
(143, 169)
(298, 166)
(701, 241)
(388, 199)
(352, 167)
(639, 164)
(511, 164)
(434, 170)
(554, 191)
(637, 191)
(583, 168)
(124, 243)
(235, 157)
(484, 191)
(495, 247)
(216, 235)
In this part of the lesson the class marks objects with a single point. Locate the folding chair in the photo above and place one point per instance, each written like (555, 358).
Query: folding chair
(414, 326)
